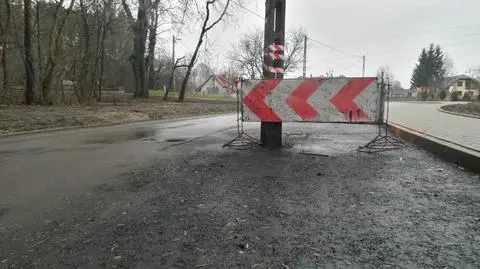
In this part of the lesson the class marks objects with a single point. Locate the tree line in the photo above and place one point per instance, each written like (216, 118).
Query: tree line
(99, 44)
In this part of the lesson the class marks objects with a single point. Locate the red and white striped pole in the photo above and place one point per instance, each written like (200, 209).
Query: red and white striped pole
(275, 52)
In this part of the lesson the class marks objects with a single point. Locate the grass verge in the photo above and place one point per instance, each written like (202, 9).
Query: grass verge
(15, 118)
(193, 95)
(469, 108)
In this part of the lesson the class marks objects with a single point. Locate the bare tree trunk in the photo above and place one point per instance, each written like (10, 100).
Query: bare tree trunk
(205, 29)
(170, 81)
(170, 85)
(140, 32)
(54, 46)
(83, 90)
(29, 70)
(137, 59)
(3, 34)
(152, 41)
(39, 46)
(94, 77)
(107, 5)
(102, 62)
(4, 63)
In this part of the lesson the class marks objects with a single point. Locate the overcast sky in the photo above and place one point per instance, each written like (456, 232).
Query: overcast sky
(388, 32)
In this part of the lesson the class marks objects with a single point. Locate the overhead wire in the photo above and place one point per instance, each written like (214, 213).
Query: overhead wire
(249, 10)
(355, 63)
(342, 51)
(333, 48)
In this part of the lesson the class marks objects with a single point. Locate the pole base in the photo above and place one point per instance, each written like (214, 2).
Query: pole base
(271, 135)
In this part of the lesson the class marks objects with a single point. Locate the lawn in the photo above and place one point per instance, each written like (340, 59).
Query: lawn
(15, 118)
(193, 95)
(472, 108)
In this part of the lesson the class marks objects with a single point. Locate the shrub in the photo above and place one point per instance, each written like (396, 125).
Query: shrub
(422, 96)
(430, 96)
(454, 96)
(467, 97)
(442, 95)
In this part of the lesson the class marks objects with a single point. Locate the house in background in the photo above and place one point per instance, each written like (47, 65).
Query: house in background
(399, 94)
(215, 85)
(463, 85)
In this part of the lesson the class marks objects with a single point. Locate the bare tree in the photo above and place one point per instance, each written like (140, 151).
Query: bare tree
(248, 53)
(27, 43)
(82, 87)
(170, 81)
(4, 26)
(205, 28)
(152, 41)
(106, 18)
(449, 67)
(294, 49)
(140, 31)
(54, 46)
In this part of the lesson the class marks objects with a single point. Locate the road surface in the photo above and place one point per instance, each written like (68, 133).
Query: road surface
(167, 195)
(425, 117)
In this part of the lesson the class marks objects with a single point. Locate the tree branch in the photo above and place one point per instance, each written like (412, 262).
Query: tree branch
(128, 11)
(219, 18)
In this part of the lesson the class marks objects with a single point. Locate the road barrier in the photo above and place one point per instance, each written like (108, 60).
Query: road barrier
(342, 100)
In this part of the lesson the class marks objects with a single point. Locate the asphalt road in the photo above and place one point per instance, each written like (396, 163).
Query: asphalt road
(39, 170)
(425, 117)
(167, 195)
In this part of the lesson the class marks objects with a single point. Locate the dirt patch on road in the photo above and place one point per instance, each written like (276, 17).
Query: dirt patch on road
(215, 208)
(28, 118)
(469, 109)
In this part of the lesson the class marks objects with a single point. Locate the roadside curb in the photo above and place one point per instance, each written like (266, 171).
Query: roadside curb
(463, 156)
(164, 120)
(458, 114)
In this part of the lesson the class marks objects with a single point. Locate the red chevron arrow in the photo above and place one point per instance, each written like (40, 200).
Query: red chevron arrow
(298, 99)
(343, 100)
(255, 100)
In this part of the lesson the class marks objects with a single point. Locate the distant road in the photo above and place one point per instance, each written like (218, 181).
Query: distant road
(425, 117)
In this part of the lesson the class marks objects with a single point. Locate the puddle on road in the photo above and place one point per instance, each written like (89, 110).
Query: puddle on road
(146, 135)
(143, 135)
(173, 140)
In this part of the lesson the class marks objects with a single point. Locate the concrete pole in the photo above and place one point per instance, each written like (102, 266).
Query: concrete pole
(271, 132)
(363, 66)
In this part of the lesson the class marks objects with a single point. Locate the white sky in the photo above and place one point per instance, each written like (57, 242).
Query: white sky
(388, 32)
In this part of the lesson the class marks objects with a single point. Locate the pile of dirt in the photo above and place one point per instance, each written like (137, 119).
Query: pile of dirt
(469, 109)
(28, 118)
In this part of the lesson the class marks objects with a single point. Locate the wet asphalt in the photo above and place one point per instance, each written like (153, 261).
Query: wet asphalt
(39, 170)
(168, 195)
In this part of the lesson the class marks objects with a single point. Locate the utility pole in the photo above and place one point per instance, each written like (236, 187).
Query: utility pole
(305, 57)
(271, 132)
(363, 66)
